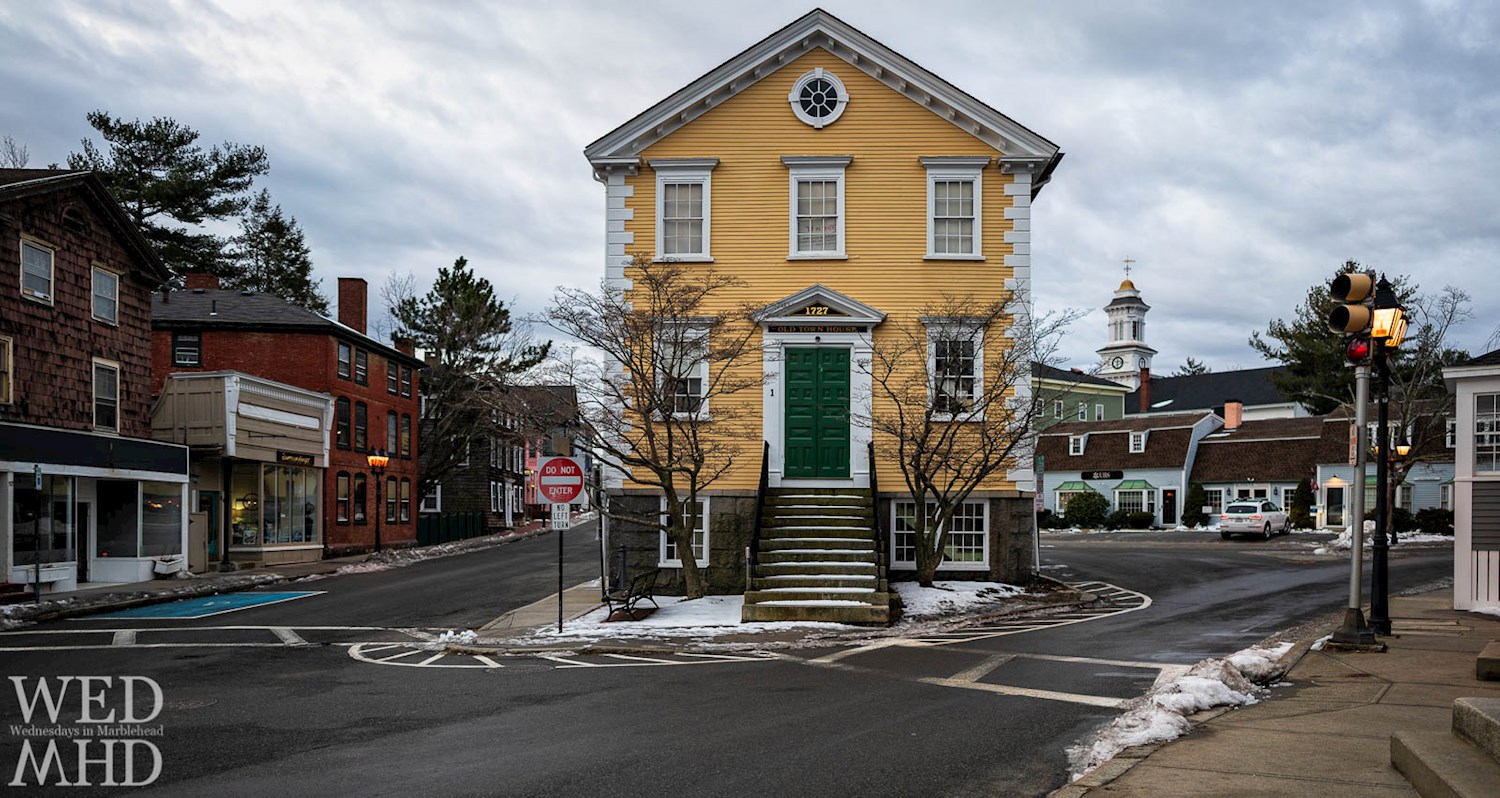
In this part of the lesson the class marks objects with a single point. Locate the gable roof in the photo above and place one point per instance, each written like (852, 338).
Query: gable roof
(1486, 359)
(1252, 387)
(1271, 450)
(839, 304)
(1042, 371)
(211, 308)
(1108, 444)
(18, 184)
(820, 29)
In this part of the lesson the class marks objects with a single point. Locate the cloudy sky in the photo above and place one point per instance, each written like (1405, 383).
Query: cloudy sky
(1237, 152)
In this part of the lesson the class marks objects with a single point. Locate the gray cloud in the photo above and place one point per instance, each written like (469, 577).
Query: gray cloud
(1238, 152)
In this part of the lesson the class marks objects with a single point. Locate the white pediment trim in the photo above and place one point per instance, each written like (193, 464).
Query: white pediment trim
(848, 309)
(820, 29)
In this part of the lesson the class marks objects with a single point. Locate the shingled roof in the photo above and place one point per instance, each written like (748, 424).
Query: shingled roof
(1252, 387)
(1271, 450)
(214, 308)
(1108, 444)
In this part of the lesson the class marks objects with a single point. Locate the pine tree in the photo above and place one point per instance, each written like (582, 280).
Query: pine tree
(270, 256)
(1190, 368)
(1302, 503)
(1192, 514)
(169, 185)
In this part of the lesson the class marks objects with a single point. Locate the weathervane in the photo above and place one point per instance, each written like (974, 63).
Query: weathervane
(1128, 261)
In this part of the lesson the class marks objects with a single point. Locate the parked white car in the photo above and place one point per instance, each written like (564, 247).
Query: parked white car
(1254, 517)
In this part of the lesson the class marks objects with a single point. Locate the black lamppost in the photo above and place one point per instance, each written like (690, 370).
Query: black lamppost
(1387, 329)
(377, 458)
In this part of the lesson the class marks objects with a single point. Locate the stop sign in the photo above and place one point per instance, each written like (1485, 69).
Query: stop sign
(559, 480)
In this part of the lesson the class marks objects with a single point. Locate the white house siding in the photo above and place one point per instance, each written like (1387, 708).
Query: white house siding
(1160, 478)
(1476, 563)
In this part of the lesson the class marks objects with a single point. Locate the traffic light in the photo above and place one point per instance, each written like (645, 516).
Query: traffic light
(1355, 291)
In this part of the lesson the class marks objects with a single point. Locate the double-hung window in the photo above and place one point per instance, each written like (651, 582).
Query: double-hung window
(187, 349)
(106, 395)
(36, 271)
(7, 371)
(341, 497)
(106, 295)
(816, 205)
(341, 423)
(1083, 411)
(362, 367)
(1098, 412)
(1137, 442)
(432, 501)
(346, 357)
(954, 207)
(392, 377)
(684, 204)
(361, 426)
(955, 361)
(1057, 408)
(405, 436)
(698, 522)
(406, 381)
(682, 362)
(390, 433)
(1076, 444)
(1487, 432)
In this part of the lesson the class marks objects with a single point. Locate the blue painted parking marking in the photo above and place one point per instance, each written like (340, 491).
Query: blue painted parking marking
(190, 609)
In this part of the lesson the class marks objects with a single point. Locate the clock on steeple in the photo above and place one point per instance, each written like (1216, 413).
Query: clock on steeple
(1126, 354)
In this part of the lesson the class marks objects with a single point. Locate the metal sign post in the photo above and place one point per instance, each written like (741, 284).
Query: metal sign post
(559, 480)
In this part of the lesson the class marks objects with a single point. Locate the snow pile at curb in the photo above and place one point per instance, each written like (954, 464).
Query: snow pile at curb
(1345, 540)
(948, 598)
(707, 617)
(463, 638)
(1161, 714)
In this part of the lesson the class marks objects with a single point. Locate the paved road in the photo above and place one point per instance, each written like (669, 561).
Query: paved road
(986, 712)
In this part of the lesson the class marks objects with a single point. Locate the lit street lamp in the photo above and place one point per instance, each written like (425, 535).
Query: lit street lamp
(378, 459)
(1387, 329)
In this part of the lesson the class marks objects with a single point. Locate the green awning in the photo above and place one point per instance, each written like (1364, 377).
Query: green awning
(1135, 484)
(1074, 487)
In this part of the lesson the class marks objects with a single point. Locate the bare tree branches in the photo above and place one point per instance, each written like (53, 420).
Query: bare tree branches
(660, 403)
(952, 403)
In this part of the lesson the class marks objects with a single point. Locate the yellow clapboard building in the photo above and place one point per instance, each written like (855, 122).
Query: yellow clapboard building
(845, 188)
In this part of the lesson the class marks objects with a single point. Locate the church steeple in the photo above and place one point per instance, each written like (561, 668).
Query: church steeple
(1126, 354)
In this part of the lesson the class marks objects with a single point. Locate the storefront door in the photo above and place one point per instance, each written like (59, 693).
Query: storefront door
(817, 413)
(1333, 506)
(81, 513)
(1169, 506)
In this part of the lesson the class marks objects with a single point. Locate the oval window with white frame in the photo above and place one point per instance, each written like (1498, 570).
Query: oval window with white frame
(818, 98)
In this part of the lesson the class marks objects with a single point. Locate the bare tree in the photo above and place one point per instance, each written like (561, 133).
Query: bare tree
(13, 154)
(949, 403)
(1419, 400)
(659, 404)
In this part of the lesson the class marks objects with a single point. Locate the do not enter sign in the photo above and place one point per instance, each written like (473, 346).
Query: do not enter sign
(559, 480)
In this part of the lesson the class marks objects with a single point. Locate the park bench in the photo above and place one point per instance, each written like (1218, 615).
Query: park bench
(641, 587)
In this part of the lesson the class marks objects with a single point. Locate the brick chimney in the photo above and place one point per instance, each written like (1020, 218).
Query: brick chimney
(405, 346)
(1234, 411)
(1145, 391)
(201, 280)
(353, 296)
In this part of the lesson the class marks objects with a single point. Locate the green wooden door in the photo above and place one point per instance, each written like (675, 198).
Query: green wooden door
(817, 413)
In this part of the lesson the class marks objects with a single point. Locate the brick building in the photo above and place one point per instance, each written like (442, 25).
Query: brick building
(526, 424)
(84, 494)
(374, 387)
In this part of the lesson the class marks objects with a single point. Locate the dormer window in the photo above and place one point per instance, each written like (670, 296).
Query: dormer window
(1076, 443)
(1137, 442)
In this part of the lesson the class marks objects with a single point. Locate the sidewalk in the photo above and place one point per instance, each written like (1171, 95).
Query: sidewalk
(1329, 732)
(105, 598)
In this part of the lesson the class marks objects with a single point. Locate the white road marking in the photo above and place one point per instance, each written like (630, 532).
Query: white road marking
(124, 637)
(981, 670)
(488, 661)
(1028, 692)
(289, 637)
(829, 659)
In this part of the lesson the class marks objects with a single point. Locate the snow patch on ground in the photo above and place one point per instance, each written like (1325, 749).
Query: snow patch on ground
(1419, 537)
(948, 598)
(1495, 611)
(1161, 714)
(710, 616)
(465, 637)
